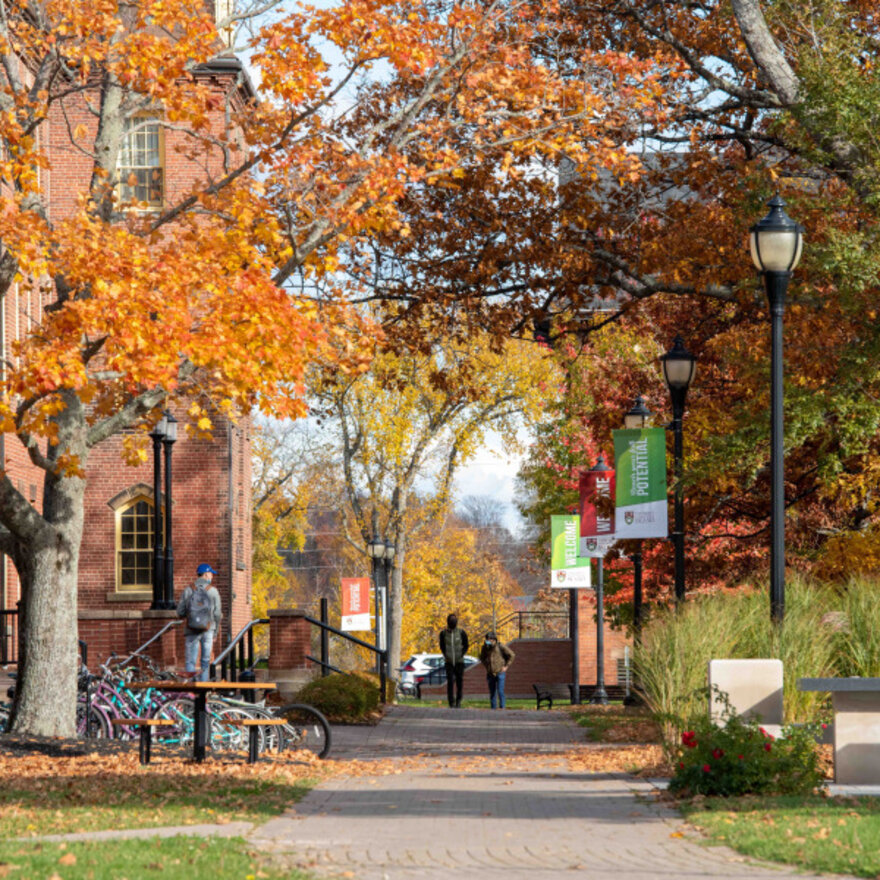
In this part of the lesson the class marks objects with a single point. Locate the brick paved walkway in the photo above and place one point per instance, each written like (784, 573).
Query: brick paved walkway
(490, 799)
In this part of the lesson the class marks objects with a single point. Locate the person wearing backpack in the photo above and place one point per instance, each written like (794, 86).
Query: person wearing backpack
(200, 605)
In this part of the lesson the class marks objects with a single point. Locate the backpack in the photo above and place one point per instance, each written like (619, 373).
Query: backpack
(200, 610)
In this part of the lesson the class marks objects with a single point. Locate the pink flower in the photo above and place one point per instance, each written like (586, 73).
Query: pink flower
(824, 727)
(767, 747)
(706, 768)
(717, 753)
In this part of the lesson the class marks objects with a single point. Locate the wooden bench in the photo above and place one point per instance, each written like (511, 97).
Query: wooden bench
(253, 725)
(547, 693)
(614, 692)
(146, 726)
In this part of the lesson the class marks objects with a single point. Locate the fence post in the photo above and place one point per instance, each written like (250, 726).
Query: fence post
(325, 639)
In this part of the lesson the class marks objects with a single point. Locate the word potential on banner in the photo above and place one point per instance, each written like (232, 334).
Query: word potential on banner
(568, 568)
(355, 605)
(597, 529)
(640, 465)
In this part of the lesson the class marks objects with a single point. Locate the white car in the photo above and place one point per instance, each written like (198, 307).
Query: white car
(419, 664)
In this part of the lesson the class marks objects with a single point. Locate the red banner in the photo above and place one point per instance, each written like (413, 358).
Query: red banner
(355, 604)
(597, 529)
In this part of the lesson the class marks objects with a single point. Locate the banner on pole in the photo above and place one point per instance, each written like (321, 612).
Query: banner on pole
(355, 605)
(568, 569)
(640, 502)
(597, 523)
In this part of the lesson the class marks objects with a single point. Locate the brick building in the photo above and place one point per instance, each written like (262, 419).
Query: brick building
(211, 477)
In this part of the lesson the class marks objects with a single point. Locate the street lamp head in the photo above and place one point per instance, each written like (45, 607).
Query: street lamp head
(679, 365)
(776, 242)
(390, 550)
(638, 417)
(600, 466)
(158, 432)
(170, 427)
(376, 547)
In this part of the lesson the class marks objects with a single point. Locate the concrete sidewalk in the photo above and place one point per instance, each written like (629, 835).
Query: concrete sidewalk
(488, 796)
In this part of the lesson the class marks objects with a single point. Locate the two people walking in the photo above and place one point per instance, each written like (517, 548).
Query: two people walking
(495, 657)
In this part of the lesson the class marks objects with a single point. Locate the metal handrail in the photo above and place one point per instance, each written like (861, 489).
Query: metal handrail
(381, 653)
(324, 665)
(150, 641)
(230, 668)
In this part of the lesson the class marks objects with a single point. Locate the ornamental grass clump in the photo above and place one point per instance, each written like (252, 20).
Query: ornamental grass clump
(740, 757)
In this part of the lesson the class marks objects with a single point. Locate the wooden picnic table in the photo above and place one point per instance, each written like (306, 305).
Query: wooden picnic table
(201, 689)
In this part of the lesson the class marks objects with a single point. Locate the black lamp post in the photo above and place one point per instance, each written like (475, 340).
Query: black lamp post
(776, 243)
(637, 418)
(600, 695)
(157, 435)
(376, 552)
(168, 441)
(390, 551)
(679, 366)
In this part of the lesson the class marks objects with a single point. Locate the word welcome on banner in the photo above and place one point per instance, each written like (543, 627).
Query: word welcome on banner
(640, 501)
(355, 605)
(597, 522)
(568, 568)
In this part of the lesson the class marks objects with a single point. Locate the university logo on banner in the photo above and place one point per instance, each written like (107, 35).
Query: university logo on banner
(597, 523)
(355, 605)
(640, 501)
(568, 568)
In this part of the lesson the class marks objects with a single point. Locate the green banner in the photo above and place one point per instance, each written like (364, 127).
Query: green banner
(568, 570)
(640, 497)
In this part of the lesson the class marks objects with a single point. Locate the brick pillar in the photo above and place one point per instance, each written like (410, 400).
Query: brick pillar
(290, 639)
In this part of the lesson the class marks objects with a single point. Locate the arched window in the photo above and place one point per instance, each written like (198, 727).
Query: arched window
(134, 545)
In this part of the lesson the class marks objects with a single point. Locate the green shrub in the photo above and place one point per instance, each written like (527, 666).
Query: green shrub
(739, 757)
(341, 696)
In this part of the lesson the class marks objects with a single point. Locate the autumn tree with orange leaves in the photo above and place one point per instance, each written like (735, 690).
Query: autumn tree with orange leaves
(225, 291)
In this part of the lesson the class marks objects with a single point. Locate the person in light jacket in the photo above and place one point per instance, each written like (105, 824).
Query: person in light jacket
(496, 657)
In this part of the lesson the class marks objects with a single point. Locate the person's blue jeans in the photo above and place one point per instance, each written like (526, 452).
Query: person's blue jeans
(199, 644)
(496, 689)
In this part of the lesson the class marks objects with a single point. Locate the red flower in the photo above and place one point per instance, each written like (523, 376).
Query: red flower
(767, 747)
(706, 768)
(766, 735)
(824, 727)
(681, 765)
(740, 757)
(717, 753)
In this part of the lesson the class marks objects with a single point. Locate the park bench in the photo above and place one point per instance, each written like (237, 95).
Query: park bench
(547, 693)
(146, 726)
(253, 725)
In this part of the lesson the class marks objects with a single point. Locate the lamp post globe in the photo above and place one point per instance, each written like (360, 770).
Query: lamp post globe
(776, 243)
(638, 417)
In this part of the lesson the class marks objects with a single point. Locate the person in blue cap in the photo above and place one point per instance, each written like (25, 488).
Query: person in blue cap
(200, 605)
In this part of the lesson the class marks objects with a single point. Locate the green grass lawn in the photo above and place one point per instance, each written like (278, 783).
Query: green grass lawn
(473, 703)
(37, 804)
(839, 835)
(172, 858)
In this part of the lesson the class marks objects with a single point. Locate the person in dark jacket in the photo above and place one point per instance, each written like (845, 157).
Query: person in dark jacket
(496, 657)
(453, 647)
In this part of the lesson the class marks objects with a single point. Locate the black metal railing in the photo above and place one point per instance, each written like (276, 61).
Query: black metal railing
(326, 629)
(9, 636)
(533, 625)
(237, 657)
(149, 641)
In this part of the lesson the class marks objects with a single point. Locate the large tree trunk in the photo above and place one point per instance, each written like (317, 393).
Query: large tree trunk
(47, 559)
(396, 607)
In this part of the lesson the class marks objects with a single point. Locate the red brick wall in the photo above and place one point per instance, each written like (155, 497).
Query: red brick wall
(290, 639)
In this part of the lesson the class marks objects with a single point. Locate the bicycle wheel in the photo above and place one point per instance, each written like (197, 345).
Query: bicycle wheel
(180, 713)
(96, 726)
(227, 737)
(306, 728)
